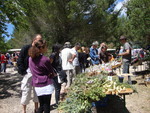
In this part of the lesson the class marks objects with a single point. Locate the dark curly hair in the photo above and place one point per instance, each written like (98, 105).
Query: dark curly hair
(56, 47)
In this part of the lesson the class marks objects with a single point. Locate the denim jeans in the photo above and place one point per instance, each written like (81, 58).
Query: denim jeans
(3, 67)
(57, 89)
(126, 66)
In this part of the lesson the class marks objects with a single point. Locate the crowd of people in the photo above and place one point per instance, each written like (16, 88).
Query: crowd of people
(43, 75)
(7, 58)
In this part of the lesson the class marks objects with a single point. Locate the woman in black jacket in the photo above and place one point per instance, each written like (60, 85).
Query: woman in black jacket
(55, 60)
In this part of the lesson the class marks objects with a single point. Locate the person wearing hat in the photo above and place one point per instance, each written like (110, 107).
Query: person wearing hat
(126, 56)
(67, 45)
(94, 53)
(67, 56)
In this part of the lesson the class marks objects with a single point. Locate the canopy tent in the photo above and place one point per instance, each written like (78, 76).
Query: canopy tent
(14, 50)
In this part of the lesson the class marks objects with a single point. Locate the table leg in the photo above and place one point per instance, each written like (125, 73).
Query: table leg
(124, 100)
(119, 71)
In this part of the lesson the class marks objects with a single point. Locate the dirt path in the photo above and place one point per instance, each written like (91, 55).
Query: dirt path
(10, 95)
(139, 102)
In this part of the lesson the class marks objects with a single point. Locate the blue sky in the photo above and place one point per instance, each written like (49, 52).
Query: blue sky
(120, 0)
(10, 27)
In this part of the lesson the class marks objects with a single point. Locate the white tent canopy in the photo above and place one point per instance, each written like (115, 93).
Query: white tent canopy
(14, 50)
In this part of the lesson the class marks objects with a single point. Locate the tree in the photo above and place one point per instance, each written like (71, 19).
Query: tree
(10, 12)
(67, 20)
(138, 23)
(3, 46)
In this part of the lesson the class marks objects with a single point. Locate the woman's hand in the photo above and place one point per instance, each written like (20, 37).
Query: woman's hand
(55, 74)
(52, 75)
(70, 60)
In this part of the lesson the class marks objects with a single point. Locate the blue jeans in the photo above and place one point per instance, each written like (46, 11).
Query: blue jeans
(3, 67)
(57, 89)
(126, 66)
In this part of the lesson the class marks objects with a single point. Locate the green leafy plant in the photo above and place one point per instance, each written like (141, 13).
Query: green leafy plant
(82, 93)
(87, 89)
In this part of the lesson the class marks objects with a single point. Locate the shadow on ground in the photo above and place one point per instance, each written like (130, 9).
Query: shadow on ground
(134, 82)
(114, 104)
(9, 85)
(142, 73)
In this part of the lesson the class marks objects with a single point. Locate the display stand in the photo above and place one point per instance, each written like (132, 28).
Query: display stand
(123, 93)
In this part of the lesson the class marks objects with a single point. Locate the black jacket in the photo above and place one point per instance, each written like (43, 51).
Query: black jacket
(23, 62)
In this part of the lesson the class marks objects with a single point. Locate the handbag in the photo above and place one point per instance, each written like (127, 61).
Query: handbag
(58, 76)
(59, 80)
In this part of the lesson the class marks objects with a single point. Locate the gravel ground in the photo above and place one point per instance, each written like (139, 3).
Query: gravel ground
(10, 93)
(10, 96)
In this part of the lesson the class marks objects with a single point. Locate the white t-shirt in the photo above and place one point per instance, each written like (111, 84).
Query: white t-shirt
(46, 90)
(66, 54)
(28, 70)
(76, 59)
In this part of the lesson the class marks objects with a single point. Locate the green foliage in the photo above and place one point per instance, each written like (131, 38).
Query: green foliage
(75, 20)
(64, 20)
(138, 22)
(3, 46)
(10, 12)
(87, 89)
(147, 57)
(82, 93)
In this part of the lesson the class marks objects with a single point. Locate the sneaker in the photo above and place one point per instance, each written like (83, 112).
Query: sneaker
(54, 106)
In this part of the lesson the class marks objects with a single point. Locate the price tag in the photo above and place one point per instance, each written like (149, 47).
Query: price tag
(109, 78)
